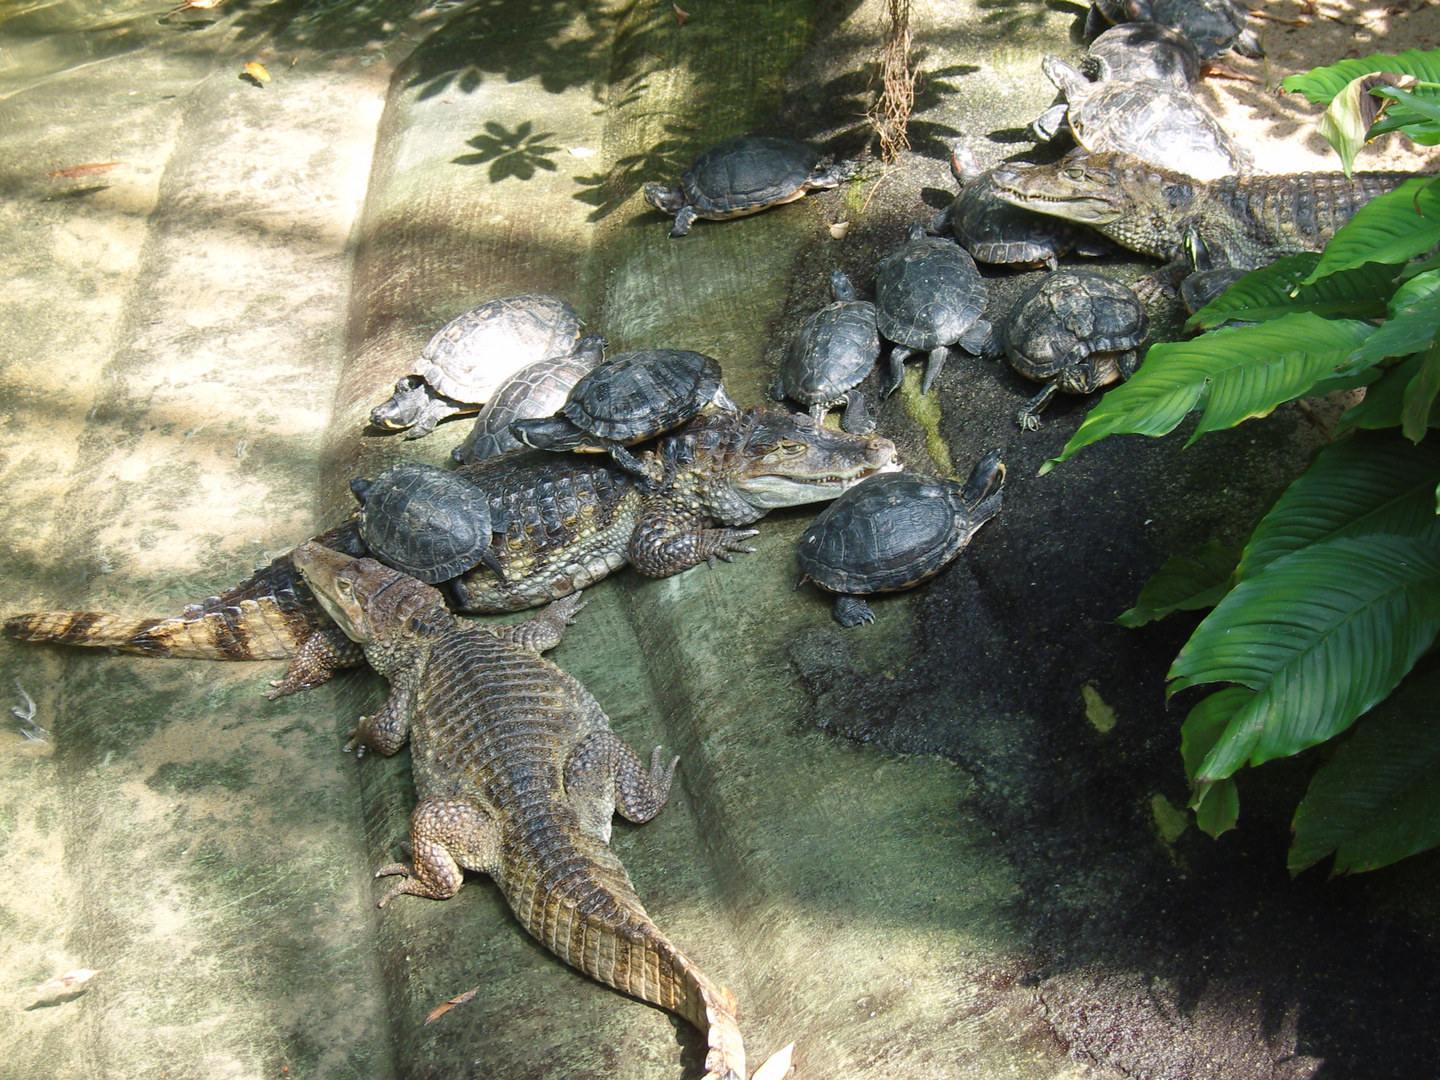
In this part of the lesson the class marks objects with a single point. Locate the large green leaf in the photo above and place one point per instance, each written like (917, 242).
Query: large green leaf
(1275, 290)
(1321, 636)
(1414, 317)
(1378, 799)
(1321, 84)
(1420, 394)
(1185, 583)
(1366, 484)
(1391, 228)
(1243, 371)
(1348, 118)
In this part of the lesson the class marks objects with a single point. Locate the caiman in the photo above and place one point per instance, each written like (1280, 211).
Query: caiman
(1243, 221)
(570, 519)
(518, 776)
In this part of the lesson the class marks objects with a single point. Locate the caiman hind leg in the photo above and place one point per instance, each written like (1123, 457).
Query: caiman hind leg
(666, 542)
(543, 631)
(448, 837)
(326, 651)
(603, 774)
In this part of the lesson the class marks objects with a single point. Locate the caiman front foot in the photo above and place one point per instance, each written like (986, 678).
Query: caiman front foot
(723, 543)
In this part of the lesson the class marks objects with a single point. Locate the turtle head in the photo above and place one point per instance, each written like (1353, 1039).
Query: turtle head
(985, 482)
(552, 433)
(403, 408)
(840, 286)
(963, 166)
(669, 200)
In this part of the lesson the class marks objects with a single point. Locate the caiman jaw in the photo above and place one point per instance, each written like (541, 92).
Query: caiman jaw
(1066, 191)
(328, 574)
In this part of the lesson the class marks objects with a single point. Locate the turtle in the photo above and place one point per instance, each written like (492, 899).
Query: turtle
(1148, 119)
(1213, 26)
(893, 531)
(996, 232)
(472, 354)
(929, 296)
(1076, 331)
(537, 389)
(1211, 276)
(1129, 52)
(833, 351)
(632, 397)
(431, 523)
(744, 176)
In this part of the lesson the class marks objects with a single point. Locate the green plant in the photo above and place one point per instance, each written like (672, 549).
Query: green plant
(1336, 594)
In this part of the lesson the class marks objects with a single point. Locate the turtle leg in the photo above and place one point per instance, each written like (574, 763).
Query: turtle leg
(626, 460)
(938, 356)
(898, 355)
(857, 419)
(437, 408)
(683, 220)
(1028, 417)
(818, 413)
(852, 611)
(981, 340)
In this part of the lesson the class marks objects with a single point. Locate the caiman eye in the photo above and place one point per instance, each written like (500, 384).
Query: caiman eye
(791, 449)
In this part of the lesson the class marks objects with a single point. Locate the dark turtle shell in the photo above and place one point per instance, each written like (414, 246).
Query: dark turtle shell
(894, 530)
(640, 394)
(535, 390)
(1213, 26)
(1068, 316)
(1144, 50)
(928, 293)
(997, 232)
(833, 351)
(474, 352)
(747, 173)
(428, 522)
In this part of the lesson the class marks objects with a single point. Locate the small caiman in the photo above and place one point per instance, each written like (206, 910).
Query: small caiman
(519, 776)
(1243, 221)
(571, 519)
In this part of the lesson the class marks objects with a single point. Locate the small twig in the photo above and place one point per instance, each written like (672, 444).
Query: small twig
(1310, 414)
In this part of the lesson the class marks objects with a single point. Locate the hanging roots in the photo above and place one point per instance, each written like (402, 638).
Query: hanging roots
(897, 94)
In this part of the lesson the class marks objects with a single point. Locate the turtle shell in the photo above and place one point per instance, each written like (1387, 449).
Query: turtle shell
(889, 532)
(426, 521)
(1213, 26)
(537, 389)
(1145, 50)
(1153, 121)
(745, 174)
(833, 351)
(639, 394)
(472, 354)
(997, 232)
(1068, 316)
(928, 293)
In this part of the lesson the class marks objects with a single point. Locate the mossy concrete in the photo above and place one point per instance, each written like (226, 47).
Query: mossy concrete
(946, 845)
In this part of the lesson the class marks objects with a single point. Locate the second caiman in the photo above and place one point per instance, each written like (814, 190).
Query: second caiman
(1243, 221)
(570, 520)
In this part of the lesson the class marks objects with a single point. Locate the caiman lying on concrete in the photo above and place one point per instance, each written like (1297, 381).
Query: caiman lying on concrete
(1245, 221)
(570, 520)
(519, 776)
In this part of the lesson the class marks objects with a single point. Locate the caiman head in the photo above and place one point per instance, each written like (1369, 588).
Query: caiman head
(746, 463)
(1131, 201)
(374, 604)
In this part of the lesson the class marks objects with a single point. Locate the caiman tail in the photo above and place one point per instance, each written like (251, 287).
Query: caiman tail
(268, 616)
(588, 914)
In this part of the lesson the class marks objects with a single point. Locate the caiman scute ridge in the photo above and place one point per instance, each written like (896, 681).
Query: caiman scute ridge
(571, 520)
(518, 776)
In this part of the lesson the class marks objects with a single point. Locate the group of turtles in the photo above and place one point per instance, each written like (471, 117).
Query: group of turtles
(544, 384)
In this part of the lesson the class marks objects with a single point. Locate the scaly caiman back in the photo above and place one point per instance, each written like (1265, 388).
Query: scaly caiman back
(518, 775)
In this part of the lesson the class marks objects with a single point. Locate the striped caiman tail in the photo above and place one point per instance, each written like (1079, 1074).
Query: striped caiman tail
(268, 616)
(592, 919)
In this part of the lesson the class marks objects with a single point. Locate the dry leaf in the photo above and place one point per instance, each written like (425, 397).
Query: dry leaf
(776, 1066)
(445, 1006)
(839, 229)
(680, 16)
(86, 170)
(68, 981)
(257, 71)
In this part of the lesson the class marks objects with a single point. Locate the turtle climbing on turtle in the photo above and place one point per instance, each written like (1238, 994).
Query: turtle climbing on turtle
(632, 397)
(432, 524)
(893, 531)
(744, 176)
(1213, 26)
(929, 297)
(996, 232)
(535, 390)
(834, 350)
(471, 355)
(1075, 331)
